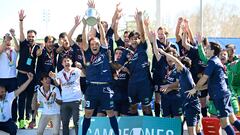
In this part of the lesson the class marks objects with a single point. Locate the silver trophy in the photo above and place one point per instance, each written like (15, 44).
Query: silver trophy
(91, 16)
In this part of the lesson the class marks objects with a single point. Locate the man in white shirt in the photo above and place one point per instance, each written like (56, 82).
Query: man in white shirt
(69, 80)
(8, 58)
(6, 99)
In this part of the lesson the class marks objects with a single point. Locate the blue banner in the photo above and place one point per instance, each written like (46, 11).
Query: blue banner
(135, 125)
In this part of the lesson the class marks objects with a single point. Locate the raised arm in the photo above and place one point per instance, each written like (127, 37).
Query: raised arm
(116, 18)
(24, 86)
(140, 28)
(76, 24)
(84, 35)
(103, 39)
(2, 47)
(152, 38)
(21, 18)
(115, 15)
(178, 27)
(201, 51)
(176, 60)
(185, 44)
(16, 47)
(146, 23)
(189, 31)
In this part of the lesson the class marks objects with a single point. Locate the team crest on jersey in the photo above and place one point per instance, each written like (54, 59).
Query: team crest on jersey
(98, 61)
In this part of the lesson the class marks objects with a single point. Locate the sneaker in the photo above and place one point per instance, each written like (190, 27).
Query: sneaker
(22, 124)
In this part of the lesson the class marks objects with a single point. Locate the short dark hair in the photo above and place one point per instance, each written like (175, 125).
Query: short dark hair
(66, 57)
(164, 30)
(205, 41)
(79, 38)
(32, 31)
(133, 33)
(230, 46)
(126, 32)
(186, 61)
(44, 75)
(62, 35)
(172, 50)
(216, 47)
(49, 37)
(118, 48)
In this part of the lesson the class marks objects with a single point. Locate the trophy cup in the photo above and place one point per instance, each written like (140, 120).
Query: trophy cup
(91, 16)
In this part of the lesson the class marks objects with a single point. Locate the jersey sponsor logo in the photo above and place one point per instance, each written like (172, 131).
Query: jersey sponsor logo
(145, 64)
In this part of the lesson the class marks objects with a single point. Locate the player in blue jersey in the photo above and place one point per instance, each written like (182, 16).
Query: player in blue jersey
(99, 76)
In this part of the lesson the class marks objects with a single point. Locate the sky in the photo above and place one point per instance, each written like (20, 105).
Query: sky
(51, 17)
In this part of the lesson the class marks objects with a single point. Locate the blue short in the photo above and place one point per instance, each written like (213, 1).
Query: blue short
(171, 105)
(140, 92)
(223, 105)
(191, 113)
(99, 96)
(203, 93)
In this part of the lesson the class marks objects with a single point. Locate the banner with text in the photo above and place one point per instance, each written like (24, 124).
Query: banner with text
(134, 125)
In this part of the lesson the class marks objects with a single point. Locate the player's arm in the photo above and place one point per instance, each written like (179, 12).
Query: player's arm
(24, 85)
(21, 18)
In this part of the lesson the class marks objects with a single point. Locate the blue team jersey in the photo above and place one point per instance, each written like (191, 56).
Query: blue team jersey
(78, 53)
(156, 65)
(217, 86)
(121, 80)
(159, 71)
(98, 68)
(193, 55)
(139, 65)
(47, 61)
(186, 83)
(120, 42)
(171, 77)
(27, 56)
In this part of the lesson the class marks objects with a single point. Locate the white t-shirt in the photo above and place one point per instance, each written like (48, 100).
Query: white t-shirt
(70, 85)
(8, 68)
(6, 107)
(49, 105)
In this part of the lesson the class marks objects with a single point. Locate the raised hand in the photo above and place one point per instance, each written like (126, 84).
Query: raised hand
(77, 20)
(12, 31)
(52, 75)
(21, 15)
(146, 21)
(199, 38)
(152, 36)
(180, 20)
(91, 4)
